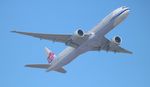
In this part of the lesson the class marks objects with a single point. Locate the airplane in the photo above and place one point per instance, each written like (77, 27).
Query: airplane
(81, 42)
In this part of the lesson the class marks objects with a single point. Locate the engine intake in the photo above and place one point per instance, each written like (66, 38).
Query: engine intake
(117, 40)
(79, 33)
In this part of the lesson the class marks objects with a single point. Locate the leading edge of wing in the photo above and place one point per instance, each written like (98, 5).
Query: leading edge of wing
(52, 37)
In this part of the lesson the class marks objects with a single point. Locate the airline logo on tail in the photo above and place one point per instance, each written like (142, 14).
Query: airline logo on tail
(50, 55)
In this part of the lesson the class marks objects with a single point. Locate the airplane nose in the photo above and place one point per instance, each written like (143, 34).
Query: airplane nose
(128, 8)
(126, 12)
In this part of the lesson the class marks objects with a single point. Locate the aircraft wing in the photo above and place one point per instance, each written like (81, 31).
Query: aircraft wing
(109, 46)
(118, 49)
(52, 37)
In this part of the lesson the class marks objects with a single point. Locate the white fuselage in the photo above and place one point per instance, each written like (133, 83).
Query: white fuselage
(96, 38)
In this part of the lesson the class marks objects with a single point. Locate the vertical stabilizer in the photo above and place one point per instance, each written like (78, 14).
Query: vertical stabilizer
(50, 55)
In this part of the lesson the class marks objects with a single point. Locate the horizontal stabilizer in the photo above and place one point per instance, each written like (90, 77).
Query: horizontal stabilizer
(42, 66)
(45, 66)
(61, 70)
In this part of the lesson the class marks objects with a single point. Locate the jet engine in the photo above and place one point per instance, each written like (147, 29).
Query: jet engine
(77, 34)
(76, 38)
(117, 40)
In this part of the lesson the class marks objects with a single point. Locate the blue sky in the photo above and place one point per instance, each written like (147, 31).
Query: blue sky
(96, 69)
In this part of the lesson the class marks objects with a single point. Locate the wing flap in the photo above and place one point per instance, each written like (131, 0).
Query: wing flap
(117, 49)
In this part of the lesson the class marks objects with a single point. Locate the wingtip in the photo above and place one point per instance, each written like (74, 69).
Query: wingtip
(47, 70)
(130, 52)
(13, 31)
(26, 65)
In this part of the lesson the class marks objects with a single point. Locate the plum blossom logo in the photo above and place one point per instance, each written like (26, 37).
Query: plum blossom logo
(51, 56)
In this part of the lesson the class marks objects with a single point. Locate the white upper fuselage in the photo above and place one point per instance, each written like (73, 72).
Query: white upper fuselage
(95, 38)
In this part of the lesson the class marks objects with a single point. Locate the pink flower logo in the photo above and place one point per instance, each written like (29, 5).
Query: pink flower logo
(50, 57)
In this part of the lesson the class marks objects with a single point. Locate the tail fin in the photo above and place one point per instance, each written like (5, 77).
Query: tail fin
(50, 55)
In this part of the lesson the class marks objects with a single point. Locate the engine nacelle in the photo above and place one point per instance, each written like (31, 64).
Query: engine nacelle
(117, 40)
(78, 34)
